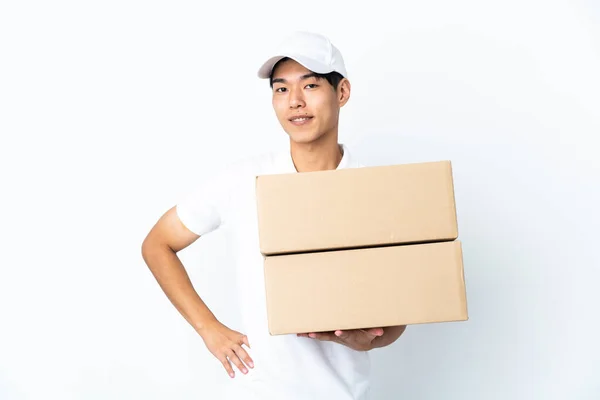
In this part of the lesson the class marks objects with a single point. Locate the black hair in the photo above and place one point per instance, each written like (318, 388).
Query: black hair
(334, 78)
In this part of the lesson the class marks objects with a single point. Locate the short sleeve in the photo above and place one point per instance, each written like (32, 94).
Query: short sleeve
(203, 209)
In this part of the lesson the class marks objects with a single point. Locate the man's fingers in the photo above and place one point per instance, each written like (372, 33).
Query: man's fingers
(352, 334)
(245, 341)
(322, 336)
(342, 334)
(236, 360)
(227, 366)
(375, 331)
(243, 355)
(371, 333)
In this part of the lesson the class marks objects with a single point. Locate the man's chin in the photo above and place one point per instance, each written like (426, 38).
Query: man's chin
(303, 137)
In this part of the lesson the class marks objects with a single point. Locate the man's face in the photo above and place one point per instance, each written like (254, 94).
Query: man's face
(307, 107)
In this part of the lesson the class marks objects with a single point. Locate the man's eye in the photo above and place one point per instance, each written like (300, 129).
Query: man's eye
(311, 85)
(280, 90)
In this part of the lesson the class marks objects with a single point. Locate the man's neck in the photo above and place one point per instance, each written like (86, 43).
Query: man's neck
(326, 154)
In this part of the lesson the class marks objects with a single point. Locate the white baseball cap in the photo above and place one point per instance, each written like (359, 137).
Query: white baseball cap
(312, 50)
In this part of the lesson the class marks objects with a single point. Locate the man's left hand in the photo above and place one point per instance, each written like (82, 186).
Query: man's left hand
(357, 339)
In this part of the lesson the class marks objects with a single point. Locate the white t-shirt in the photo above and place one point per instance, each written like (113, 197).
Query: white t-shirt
(287, 367)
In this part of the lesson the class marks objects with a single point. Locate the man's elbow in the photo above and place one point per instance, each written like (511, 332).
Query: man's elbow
(152, 246)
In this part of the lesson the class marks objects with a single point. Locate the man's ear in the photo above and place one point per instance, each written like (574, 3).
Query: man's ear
(343, 92)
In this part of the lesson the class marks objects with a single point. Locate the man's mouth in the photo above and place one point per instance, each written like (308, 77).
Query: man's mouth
(300, 120)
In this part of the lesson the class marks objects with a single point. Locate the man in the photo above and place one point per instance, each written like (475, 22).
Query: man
(309, 86)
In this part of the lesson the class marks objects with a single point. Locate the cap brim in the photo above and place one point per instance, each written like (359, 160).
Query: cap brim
(265, 70)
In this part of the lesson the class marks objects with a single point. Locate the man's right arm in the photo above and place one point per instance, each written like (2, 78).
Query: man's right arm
(159, 250)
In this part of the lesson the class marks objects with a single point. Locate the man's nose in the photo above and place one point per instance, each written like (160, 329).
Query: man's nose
(296, 100)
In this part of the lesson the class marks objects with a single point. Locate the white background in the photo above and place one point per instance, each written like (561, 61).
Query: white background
(110, 111)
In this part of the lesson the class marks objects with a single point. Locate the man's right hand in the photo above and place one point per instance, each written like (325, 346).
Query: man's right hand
(226, 345)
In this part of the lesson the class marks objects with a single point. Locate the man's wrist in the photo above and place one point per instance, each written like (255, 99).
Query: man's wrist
(203, 325)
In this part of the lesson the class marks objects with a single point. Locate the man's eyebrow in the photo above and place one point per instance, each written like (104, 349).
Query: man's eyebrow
(310, 75)
(303, 77)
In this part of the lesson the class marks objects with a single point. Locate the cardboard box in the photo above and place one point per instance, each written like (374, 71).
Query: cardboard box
(363, 288)
(356, 207)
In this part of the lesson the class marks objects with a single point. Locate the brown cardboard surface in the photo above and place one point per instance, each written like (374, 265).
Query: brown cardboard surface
(364, 288)
(356, 207)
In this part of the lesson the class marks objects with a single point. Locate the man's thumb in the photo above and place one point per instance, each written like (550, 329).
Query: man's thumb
(245, 341)
(375, 331)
